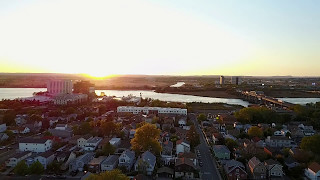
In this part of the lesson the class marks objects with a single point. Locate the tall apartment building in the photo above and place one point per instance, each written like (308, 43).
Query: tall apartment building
(60, 86)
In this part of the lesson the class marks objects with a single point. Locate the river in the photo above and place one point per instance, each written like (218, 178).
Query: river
(12, 93)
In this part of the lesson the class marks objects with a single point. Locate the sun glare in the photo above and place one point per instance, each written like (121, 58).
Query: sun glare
(99, 75)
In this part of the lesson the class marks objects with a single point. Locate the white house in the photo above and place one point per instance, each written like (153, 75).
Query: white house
(13, 161)
(182, 146)
(146, 163)
(82, 141)
(110, 163)
(61, 126)
(147, 110)
(126, 159)
(45, 158)
(182, 122)
(92, 143)
(3, 127)
(35, 145)
(313, 171)
(115, 142)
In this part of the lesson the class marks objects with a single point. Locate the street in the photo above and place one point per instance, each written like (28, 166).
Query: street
(209, 169)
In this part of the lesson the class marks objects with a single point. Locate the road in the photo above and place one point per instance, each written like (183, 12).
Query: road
(209, 169)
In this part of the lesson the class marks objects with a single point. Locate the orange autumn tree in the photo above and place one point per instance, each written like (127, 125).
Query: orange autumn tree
(146, 138)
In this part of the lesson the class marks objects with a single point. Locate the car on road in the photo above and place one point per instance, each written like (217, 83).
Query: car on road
(2, 147)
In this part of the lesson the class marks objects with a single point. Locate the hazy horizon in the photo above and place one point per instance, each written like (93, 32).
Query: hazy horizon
(187, 38)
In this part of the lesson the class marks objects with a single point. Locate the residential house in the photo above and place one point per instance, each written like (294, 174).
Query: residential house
(126, 159)
(92, 143)
(132, 133)
(237, 125)
(13, 161)
(182, 122)
(35, 145)
(62, 133)
(189, 155)
(110, 163)
(3, 127)
(165, 136)
(20, 119)
(94, 165)
(274, 168)
(182, 146)
(167, 154)
(19, 130)
(45, 158)
(146, 163)
(184, 168)
(61, 126)
(257, 168)
(313, 171)
(165, 173)
(115, 142)
(280, 141)
(221, 152)
(290, 162)
(235, 170)
(82, 141)
(80, 162)
(3, 136)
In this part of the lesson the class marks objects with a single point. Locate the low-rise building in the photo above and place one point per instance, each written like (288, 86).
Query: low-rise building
(182, 146)
(257, 168)
(92, 143)
(274, 168)
(221, 152)
(35, 145)
(280, 141)
(126, 159)
(146, 163)
(235, 170)
(95, 164)
(151, 110)
(45, 158)
(110, 163)
(13, 161)
(313, 171)
(80, 162)
(82, 141)
(184, 168)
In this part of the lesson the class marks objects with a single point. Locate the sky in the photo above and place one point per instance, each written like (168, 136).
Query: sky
(181, 37)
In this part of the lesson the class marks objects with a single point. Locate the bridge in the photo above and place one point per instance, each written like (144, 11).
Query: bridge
(258, 97)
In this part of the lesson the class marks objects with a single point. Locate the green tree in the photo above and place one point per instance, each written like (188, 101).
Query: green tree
(9, 117)
(36, 168)
(193, 137)
(106, 150)
(21, 168)
(311, 143)
(146, 138)
(231, 144)
(202, 117)
(110, 175)
(255, 131)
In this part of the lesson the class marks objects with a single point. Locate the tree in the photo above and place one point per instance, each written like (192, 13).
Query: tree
(9, 117)
(202, 117)
(146, 139)
(21, 168)
(36, 168)
(108, 128)
(115, 174)
(231, 144)
(193, 137)
(54, 167)
(106, 150)
(311, 143)
(70, 110)
(47, 133)
(255, 131)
